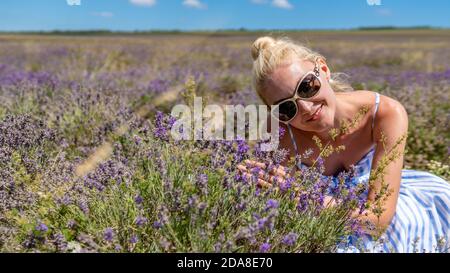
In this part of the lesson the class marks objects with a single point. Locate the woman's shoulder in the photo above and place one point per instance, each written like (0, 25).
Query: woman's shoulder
(388, 114)
(386, 105)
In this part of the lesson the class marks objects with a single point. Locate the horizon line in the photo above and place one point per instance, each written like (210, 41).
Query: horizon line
(242, 29)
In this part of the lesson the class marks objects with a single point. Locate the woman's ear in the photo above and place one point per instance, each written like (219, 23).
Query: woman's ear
(323, 66)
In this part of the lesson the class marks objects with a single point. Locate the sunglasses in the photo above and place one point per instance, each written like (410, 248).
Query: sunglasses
(307, 87)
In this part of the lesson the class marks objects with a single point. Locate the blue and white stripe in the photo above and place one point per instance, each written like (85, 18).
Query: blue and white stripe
(421, 220)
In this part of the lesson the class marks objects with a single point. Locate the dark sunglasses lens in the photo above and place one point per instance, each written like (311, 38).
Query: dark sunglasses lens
(309, 86)
(287, 110)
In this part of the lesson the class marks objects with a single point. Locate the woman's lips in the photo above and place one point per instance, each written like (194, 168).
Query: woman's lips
(316, 114)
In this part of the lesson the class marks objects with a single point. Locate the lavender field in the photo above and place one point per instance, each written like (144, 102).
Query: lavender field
(87, 163)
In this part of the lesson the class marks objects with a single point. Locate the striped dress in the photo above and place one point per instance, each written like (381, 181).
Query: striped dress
(421, 220)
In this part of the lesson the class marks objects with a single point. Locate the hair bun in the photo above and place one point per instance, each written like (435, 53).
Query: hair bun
(260, 44)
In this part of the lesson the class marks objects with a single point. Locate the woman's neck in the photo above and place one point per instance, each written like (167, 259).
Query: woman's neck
(345, 112)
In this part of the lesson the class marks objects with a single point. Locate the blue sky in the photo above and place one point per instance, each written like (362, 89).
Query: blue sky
(17, 15)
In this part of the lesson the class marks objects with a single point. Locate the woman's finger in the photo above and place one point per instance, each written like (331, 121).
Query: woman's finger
(280, 171)
(242, 168)
(263, 175)
(260, 182)
(252, 163)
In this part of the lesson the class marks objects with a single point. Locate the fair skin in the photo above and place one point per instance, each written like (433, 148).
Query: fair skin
(391, 119)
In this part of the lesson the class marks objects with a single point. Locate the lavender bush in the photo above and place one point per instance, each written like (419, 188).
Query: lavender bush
(186, 197)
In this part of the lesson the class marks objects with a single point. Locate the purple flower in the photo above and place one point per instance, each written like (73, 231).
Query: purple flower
(241, 151)
(262, 223)
(71, 224)
(82, 204)
(287, 184)
(356, 227)
(265, 247)
(137, 140)
(138, 199)
(280, 155)
(257, 191)
(163, 217)
(41, 227)
(158, 85)
(157, 225)
(242, 205)
(202, 183)
(271, 204)
(165, 244)
(201, 207)
(290, 239)
(141, 221)
(60, 241)
(108, 234)
(281, 131)
(134, 239)
(163, 124)
(302, 203)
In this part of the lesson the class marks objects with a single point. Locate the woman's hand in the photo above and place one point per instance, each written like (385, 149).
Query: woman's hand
(266, 178)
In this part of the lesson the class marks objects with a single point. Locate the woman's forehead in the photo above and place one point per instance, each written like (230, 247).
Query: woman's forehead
(284, 79)
(290, 72)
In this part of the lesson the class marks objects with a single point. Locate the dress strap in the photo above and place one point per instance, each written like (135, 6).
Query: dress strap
(292, 138)
(377, 101)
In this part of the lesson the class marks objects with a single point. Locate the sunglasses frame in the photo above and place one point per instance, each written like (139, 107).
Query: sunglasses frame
(295, 97)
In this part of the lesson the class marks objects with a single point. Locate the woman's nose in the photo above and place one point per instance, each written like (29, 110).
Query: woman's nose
(305, 106)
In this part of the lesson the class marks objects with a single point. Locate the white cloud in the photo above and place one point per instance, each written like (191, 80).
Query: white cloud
(194, 4)
(145, 3)
(105, 14)
(283, 4)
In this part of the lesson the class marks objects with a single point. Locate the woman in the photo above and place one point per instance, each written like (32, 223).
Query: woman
(298, 83)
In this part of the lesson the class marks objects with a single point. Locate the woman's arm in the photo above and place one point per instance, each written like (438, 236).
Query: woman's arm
(391, 125)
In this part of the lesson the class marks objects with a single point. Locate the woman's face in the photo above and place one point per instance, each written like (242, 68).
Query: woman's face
(281, 85)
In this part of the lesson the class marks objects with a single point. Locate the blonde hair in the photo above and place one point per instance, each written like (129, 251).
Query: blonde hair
(268, 53)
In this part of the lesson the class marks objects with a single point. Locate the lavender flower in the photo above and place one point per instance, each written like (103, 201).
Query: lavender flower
(271, 204)
(163, 125)
(138, 199)
(157, 224)
(71, 224)
(202, 183)
(265, 247)
(108, 234)
(290, 239)
(41, 227)
(134, 239)
(141, 221)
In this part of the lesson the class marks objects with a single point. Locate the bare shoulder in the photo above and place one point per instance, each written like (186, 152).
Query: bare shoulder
(387, 107)
(390, 108)
(390, 119)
